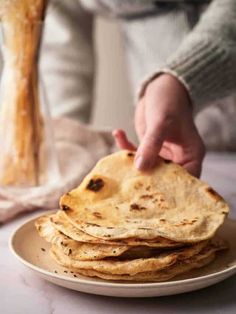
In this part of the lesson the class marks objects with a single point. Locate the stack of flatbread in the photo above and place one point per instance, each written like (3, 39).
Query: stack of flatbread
(123, 224)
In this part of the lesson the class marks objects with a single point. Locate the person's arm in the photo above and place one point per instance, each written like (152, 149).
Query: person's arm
(205, 62)
(203, 69)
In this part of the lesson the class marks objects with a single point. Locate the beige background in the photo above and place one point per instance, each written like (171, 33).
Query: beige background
(113, 102)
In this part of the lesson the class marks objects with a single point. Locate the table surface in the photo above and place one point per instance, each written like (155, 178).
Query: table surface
(23, 292)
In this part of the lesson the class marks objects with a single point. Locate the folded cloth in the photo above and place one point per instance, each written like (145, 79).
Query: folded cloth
(78, 148)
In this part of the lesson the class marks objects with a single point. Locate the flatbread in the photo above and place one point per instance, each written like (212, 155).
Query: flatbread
(74, 249)
(47, 231)
(197, 261)
(62, 224)
(87, 251)
(129, 267)
(116, 201)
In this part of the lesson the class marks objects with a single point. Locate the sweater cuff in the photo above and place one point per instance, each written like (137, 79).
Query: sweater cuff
(206, 71)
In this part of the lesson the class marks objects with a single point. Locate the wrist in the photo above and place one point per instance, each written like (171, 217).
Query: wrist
(170, 89)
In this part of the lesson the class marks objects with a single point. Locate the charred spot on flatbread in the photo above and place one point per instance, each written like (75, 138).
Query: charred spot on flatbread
(95, 185)
(213, 194)
(135, 206)
(92, 224)
(97, 215)
(130, 154)
(146, 196)
(66, 208)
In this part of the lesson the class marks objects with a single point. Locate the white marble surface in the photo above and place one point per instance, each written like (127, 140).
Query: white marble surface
(22, 292)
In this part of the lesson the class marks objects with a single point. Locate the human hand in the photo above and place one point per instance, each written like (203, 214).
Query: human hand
(165, 127)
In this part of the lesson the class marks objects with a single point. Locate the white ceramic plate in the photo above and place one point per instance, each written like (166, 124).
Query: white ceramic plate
(33, 252)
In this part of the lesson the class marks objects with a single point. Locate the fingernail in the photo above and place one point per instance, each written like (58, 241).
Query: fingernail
(140, 163)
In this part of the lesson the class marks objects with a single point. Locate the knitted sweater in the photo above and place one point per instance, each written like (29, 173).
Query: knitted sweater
(205, 61)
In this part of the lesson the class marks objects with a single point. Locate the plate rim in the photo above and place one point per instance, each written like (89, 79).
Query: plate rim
(107, 284)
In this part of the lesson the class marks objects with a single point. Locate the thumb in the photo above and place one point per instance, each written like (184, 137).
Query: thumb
(122, 141)
(150, 146)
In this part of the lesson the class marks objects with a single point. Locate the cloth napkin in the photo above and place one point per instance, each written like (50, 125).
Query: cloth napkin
(78, 148)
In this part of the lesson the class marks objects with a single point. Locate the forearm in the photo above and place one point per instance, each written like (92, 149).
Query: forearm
(206, 60)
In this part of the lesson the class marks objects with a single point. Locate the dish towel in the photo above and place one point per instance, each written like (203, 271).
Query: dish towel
(78, 148)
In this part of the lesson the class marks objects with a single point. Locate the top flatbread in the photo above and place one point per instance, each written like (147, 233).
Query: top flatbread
(116, 201)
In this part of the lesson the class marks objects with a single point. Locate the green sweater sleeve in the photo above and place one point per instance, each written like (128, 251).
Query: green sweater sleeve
(206, 60)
